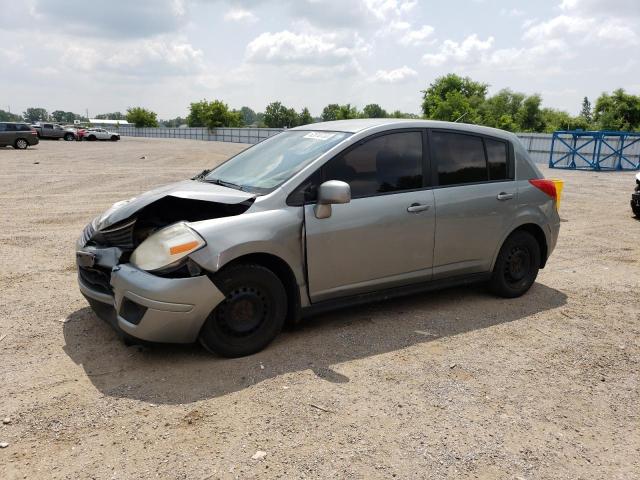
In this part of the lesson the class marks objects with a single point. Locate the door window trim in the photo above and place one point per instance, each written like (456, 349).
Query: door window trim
(434, 164)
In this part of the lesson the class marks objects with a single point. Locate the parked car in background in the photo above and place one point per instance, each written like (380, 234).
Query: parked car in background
(18, 135)
(54, 131)
(100, 134)
(318, 217)
(635, 197)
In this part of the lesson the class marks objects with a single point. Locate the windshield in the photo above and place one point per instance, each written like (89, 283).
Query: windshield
(269, 164)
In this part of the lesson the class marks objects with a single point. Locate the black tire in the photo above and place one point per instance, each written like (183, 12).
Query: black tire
(69, 137)
(91, 138)
(636, 211)
(251, 315)
(114, 138)
(20, 144)
(517, 265)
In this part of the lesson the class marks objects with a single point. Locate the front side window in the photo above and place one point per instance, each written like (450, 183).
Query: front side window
(47, 125)
(3, 127)
(460, 158)
(388, 163)
(269, 164)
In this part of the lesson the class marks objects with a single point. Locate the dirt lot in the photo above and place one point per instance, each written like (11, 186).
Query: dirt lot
(455, 384)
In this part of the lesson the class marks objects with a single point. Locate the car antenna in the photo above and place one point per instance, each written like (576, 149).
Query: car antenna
(460, 117)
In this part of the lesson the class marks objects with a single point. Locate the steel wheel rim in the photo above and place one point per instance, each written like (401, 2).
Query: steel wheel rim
(518, 264)
(243, 312)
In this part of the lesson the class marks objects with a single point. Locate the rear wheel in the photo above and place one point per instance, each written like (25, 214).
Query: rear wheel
(636, 210)
(21, 144)
(251, 315)
(91, 138)
(517, 265)
(69, 137)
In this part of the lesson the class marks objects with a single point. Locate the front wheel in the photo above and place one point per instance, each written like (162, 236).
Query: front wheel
(21, 144)
(517, 265)
(114, 138)
(251, 315)
(69, 137)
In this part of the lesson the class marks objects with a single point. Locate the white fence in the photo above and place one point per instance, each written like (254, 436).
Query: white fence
(538, 144)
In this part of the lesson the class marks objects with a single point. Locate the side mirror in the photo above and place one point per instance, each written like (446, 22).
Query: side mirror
(330, 193)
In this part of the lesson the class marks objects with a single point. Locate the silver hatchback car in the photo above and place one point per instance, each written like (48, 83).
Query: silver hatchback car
(317, 217)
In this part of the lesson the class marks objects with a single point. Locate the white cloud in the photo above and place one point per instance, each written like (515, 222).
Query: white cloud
(407, 36)
(585, 30)
(511, 12)
(240, 15)
(286, 47)
(398, 75)
(466, 51)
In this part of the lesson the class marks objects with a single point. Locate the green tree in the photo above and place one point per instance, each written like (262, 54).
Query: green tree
(618, 111)
(501, 110)
(142, 117)
(585, 111)
(330, 112)
(249, 117)
(9, 117)
(37, 114)
(276, 115)
(529, 116)
(373, 110)
(212, 115)
(305, 117)
(553, 120)
(111, 116)
(452, 97)
(174, 122)
(334, 111)
(61, 116)
(407, 116)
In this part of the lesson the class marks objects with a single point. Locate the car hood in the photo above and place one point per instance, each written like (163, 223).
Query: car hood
(187, 189)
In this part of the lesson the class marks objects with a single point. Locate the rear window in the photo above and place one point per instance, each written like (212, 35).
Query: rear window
(460, 158)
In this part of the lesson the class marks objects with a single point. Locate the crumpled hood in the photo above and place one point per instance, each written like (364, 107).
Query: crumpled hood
(187, 189)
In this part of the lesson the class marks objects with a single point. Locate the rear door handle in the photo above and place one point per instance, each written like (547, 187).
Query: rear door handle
(416, 208)
(502, 196)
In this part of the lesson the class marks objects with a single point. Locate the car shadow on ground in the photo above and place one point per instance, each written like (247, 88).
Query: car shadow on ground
(183, 374)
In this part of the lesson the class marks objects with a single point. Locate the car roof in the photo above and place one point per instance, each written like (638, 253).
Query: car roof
(359, 125)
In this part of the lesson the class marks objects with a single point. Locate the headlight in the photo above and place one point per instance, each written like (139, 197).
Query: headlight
(166, 247)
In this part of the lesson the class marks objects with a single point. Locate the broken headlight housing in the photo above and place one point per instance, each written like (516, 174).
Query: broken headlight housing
(167, 248)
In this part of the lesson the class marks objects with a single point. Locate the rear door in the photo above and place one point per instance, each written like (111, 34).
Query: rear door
(384, 236)
(475, 199)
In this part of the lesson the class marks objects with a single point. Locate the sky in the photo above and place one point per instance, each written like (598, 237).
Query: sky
(163, 54)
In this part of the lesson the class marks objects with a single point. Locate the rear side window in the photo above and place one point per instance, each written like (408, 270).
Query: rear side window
(24, 128)
(3, 127)
(497, 159)
(47, 125)
(388, 163)
(460, 158)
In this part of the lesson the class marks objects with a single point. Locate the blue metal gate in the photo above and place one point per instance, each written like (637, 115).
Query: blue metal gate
(595, 150)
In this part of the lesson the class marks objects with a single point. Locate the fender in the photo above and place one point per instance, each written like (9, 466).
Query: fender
(275, 232)
(527, 214)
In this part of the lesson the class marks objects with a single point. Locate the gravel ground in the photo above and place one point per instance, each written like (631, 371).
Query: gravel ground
(453, 384)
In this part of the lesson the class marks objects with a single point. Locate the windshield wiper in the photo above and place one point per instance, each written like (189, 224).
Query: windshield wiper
(223, 183)
(201, 176)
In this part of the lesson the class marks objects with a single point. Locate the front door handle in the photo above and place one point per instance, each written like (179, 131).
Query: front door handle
(416, 208)
(502, 196)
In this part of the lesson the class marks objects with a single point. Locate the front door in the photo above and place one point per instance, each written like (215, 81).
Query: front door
(384, 236)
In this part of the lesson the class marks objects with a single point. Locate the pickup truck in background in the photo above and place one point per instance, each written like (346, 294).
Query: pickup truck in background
(52, 130)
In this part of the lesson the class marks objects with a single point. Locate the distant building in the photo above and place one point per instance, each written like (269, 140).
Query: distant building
(99, 122)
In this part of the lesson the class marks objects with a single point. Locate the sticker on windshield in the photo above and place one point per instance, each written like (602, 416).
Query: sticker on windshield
(319, 135)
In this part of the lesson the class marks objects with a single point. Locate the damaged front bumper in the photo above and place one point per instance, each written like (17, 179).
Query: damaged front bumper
(151, 308)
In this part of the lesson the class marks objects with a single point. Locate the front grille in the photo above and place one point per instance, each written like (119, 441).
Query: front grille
(98, 280)
(118, 235)
(87, 233)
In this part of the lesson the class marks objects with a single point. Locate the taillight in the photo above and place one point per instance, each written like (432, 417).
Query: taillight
(34, 131)
(553, 188)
